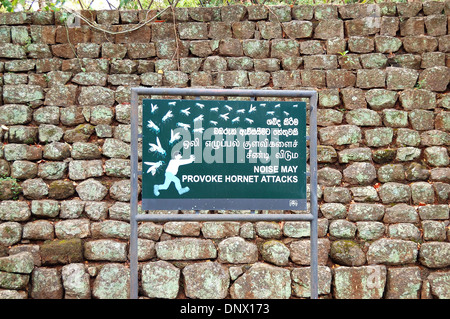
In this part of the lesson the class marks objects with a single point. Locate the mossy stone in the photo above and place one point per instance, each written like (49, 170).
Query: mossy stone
(384, 155)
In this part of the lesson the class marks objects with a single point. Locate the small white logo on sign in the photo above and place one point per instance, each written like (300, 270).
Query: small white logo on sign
(293, 203)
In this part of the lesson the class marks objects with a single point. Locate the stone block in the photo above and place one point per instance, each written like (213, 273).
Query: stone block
(269, 30)
(433, 7)
(278, 279)
(220, 30)
(337, 195)
(365, 212)
(363, 117)
(379, 136)
(154, 287)
(61, 95)
(437, 156)
(186, 249)
(395, 118)
(243, 29)
(347, 252)
(233, 13)
(360, 44)
(286, 78)
(96, 95)
(421, 120)
(400, 78)
(412, 26)
(296, 29)
(325, 12)
(175, 78)
(313, 78)
(112, 281)
(419, 44)
(231, 47)
(403, 283)
(32, 94)
(329, 98)
(363, 26)
(192, 31)
(392, 252)
(257, 12)
(258, 79)
(280, 13)
(367, 282)
(434, 230)
(443, 42)
(113, 51)
(141, 50)
(236, 78)
(335, 45)
(284, 48)
(393, 192)
(387, 44)
(435, 254)
(327, 117)
(370, 78)
(435, 78)
(326, 154)
(236, 250)
(434, 138)
(105, 250)
(257, 49)
(340, 78)
(46, 284)
(373, 61)
(340, 135)
(141, 35)
(14, 114)
(320, 62)
(432, 59)
(409, 9)
(76, 281)
(436, 25)
(12, 51)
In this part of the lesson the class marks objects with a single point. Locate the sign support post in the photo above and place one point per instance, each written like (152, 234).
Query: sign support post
(216, 202)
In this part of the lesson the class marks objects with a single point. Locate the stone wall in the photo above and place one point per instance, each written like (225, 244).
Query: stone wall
(382, 72)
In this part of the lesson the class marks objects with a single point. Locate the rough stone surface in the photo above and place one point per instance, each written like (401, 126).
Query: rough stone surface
(112, 282)
(275, 253)
(46, 284)
(301, 281)
(347, 253)
(236, 250)
(105, 250)
(62, 251)
(392, 252)
(186, 249)
(435, 254)
(360, 173)
(439, 284)
(22, 263)
(382, 76)
(262, 281)
(91, 190)
(365, 282)
(160, 279)
(301, 254)
(75, 281)
(206, 280)
(403, 283)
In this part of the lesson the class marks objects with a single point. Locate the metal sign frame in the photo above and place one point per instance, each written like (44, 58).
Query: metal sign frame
(224, 133)
(312, 216)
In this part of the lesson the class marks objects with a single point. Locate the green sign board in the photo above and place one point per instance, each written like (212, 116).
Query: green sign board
(199, 154)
